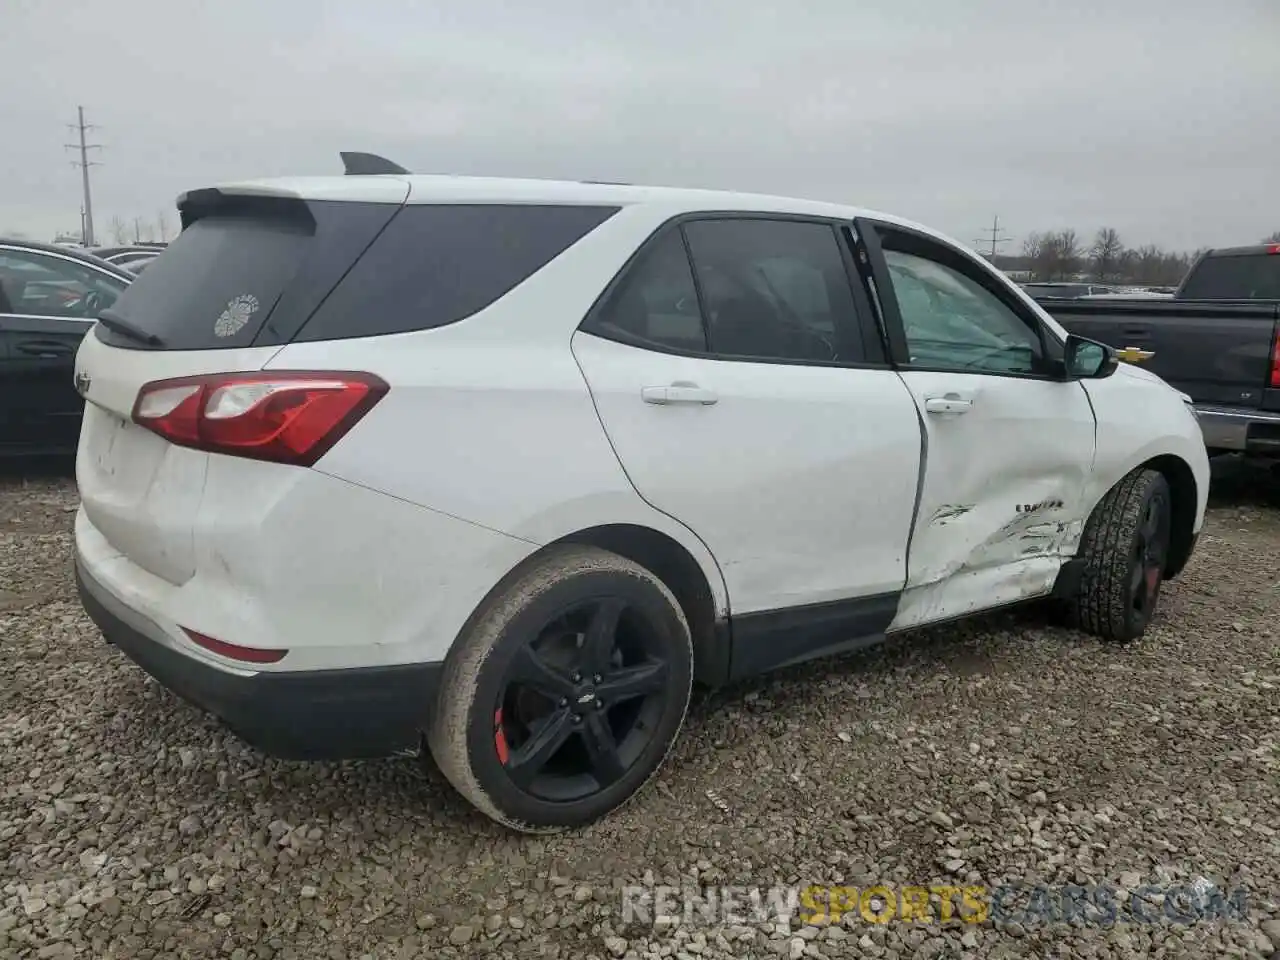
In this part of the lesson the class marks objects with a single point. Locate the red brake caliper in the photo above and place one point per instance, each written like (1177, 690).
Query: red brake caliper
(500, 738)
(1153, 580)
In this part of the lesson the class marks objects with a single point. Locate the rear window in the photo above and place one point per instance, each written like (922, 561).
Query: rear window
(247, 273)
(1056, 290)
(263, 271)
(439, 263)
(1234, 277)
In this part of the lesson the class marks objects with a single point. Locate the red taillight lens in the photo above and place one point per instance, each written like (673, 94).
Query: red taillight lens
(1274, 248)
(1275, 361)
(233, 651)
(287, 417)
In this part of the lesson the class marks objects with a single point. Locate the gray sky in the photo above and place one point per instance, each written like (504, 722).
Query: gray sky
(1158, 117)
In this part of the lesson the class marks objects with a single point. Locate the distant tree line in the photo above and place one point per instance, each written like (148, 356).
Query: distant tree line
(140, 230)
(1063, 255)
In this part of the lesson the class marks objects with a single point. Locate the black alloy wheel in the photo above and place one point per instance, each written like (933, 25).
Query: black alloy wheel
(566, 690)
(582, 700)
(1150, 553)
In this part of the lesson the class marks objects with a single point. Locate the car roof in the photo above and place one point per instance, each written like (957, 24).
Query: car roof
(1253, 249)
(124, 248)
(425, 188)
(71, 253)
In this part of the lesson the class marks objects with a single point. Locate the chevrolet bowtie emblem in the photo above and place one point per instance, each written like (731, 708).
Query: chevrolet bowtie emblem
(1134, 354)
(82, 384)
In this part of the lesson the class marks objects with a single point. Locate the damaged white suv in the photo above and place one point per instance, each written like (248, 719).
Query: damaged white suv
(505, 466)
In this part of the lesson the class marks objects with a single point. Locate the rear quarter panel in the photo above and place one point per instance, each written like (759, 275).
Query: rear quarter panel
(489, 419)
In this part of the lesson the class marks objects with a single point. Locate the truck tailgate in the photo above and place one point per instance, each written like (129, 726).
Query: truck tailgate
(1216, 351)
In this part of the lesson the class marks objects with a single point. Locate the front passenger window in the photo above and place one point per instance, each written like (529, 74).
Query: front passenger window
(954, 323)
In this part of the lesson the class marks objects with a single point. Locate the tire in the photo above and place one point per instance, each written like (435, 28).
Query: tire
(526, 674)
(1126, 551)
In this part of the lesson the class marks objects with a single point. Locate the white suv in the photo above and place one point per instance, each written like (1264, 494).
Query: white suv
(507, 465)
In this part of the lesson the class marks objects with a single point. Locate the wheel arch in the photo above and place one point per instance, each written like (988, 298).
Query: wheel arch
(673, 564)
(1184, 497)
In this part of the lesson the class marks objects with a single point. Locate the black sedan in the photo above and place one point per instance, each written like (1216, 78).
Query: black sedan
(49, 298)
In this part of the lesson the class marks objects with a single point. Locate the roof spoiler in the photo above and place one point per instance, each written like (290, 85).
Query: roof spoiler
(366, 164)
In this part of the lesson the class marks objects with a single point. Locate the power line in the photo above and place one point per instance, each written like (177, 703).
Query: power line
(84, 163)
(993, 236)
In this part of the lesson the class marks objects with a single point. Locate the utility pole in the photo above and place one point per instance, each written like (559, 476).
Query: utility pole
(84, 163)
(994, 238)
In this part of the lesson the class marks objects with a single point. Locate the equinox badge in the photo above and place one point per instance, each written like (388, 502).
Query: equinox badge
(82, 383)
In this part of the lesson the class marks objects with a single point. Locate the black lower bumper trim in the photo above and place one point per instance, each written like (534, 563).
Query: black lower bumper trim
(305, 715)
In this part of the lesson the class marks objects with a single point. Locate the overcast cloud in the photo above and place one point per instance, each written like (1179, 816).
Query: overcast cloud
(1158, 117)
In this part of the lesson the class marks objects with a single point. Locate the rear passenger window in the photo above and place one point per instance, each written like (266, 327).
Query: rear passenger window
(656, 302)
(774, 290)
(438, 263)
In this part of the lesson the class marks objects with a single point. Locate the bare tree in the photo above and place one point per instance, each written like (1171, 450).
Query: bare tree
(1041, 250)
(1274, 238)
(1105, 253)
(1150, 260)
(162, 226)
(141, 230)
(119, 231)
(1068, 253)
(1031, 245)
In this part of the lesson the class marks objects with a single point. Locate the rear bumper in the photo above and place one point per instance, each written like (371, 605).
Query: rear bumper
(342, 714)
(1237, 428)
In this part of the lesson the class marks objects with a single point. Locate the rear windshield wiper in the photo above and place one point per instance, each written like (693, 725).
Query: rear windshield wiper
(118, 324)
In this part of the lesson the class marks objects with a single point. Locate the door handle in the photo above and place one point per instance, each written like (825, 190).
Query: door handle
(949, 404)
(44, 348)
(679, 392)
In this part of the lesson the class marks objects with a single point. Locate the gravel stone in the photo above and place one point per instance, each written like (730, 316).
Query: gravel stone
(132, 825)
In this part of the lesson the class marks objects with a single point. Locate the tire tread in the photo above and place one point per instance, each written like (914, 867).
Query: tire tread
(1102, 603)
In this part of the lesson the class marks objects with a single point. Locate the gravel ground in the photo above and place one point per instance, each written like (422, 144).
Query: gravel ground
(1000, 749)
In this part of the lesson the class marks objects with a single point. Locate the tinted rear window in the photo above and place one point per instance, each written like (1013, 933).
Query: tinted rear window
(1236, 277)
(247, 273)
(439, 263)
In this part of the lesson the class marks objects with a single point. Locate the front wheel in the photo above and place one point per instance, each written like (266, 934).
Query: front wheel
(1126, 550)
(565, 691)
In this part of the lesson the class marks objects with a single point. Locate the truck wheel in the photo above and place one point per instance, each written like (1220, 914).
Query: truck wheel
(1125, 548)
(565, 691)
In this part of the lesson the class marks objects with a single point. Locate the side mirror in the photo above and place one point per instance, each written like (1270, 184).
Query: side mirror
(1088, 359)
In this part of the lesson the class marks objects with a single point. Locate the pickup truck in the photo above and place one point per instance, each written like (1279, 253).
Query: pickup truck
(1217, 340)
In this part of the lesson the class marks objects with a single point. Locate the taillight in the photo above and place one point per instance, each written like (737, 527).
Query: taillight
(1274, 248)
(289, 417)
(1275, 360)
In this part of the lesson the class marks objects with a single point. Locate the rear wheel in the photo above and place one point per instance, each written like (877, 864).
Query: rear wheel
(1126, 549)
(565, 692)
